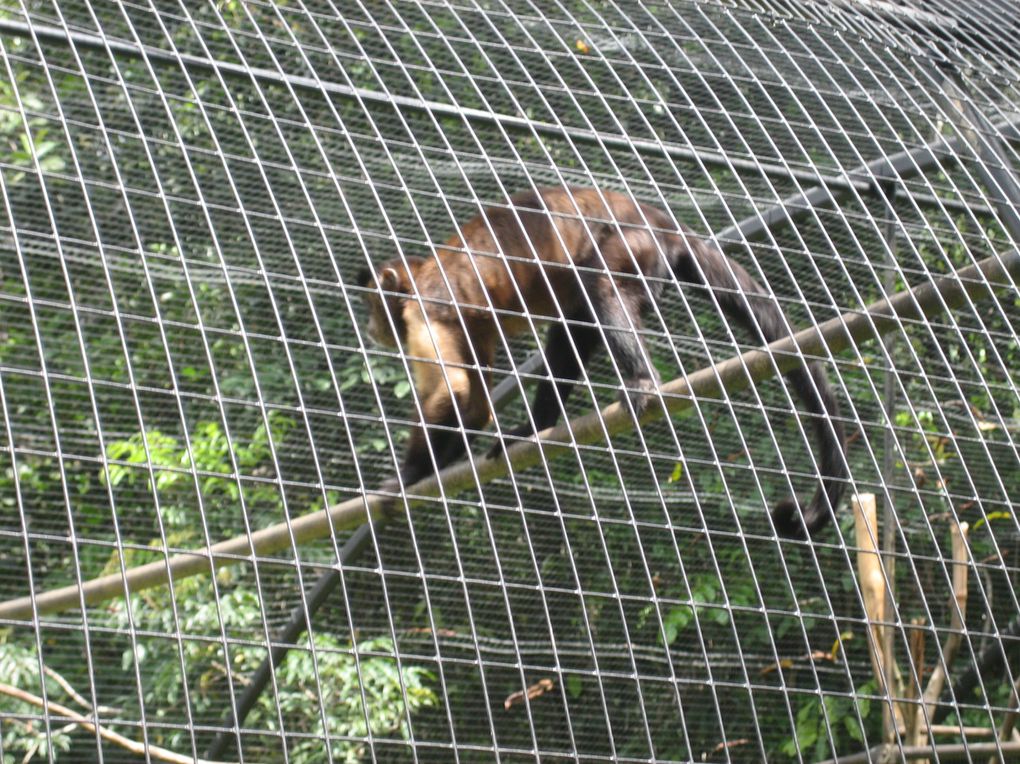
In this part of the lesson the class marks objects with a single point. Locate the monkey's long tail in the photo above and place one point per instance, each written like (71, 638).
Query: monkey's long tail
(744, 300)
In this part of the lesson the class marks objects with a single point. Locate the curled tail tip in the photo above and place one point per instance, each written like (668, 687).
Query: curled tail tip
(792, 522)
(787, 519)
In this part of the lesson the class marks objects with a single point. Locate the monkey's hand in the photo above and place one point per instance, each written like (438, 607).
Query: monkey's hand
(409, 475)
(393, 506)
(639, 393)
(391, 485)
(508, 439)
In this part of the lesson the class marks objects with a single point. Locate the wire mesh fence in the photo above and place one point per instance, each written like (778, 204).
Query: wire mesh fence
(190, 194)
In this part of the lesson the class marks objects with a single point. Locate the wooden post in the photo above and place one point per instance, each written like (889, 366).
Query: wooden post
(873, 588)
(912, 685)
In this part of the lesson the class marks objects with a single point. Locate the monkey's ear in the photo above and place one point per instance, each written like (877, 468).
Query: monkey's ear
(389, 280)
(365, 276)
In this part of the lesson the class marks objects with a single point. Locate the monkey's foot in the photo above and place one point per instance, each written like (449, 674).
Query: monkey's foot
(638, 394)
(508, 439)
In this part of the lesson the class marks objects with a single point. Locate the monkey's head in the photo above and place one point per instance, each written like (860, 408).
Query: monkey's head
(390, 285)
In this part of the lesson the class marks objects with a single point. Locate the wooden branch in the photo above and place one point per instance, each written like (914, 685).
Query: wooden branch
(934, 296)
(953, 729)
(989, 660)
(912, 686)
(75, 696)
(1009, 720)
(149, 751)
(872, 579)
(945, 752)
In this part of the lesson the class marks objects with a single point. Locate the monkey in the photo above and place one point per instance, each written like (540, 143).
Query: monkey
(587, 262)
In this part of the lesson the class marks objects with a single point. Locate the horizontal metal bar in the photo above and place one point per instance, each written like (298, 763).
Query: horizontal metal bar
(995, 170)
(723, 379)
(897, 167)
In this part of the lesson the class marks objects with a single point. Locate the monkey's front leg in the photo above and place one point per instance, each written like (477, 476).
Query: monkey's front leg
(443, 436)
(567, 348)
(432, 446)
(424, 445)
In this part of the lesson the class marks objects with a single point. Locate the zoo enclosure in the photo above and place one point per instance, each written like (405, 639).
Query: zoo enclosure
(230, 168)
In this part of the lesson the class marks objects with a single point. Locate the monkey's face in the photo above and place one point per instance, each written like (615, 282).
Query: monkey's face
(389, 287)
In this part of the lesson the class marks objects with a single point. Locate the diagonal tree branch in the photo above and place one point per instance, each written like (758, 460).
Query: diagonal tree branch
(974, 282)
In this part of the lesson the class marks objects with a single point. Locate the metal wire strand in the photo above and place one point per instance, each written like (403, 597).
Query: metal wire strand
(196, 424)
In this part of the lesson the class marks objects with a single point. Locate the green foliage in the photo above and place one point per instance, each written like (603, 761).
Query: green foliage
(362, 688)
(382, 371)
(211, 456)
(19, 667)
(827, 723)
(706, 604)
(21, 145)
(925, 435)
(388, 376)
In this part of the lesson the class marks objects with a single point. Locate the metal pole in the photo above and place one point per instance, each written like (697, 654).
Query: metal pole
(287, 636)
(889, 529)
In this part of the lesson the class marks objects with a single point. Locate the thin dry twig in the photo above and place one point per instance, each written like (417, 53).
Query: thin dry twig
(726, 745)
(958, 609)
(539, 688)
(66, 687)
(151, 751)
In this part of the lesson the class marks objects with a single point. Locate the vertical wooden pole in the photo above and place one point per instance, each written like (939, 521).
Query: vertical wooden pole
(873, 588)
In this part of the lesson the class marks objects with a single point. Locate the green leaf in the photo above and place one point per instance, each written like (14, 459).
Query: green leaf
(720, 615)
(864, 707)
(574, 685)
(677, 473)
(853, 728)
(807, 732)
(675, 621)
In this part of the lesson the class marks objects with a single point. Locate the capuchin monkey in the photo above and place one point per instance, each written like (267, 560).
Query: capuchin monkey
(576, 254)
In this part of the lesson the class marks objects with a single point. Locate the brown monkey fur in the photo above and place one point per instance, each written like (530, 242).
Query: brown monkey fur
(569, 256)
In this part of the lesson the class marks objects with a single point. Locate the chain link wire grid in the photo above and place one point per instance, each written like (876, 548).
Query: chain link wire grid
(188, 192)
